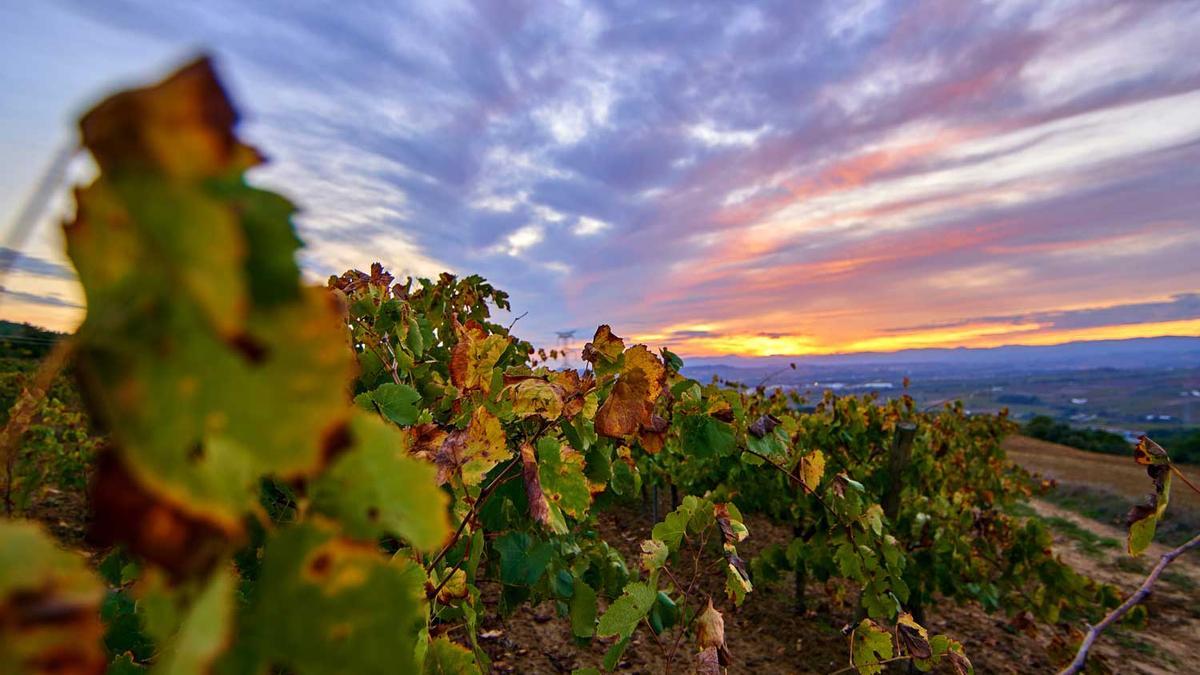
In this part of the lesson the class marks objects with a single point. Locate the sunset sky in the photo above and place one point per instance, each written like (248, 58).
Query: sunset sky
(721, 178)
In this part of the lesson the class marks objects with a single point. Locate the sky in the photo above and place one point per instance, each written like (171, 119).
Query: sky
(718, 178)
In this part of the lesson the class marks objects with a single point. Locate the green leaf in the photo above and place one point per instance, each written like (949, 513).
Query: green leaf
(376, 489)
(447, 658)
(1143, 518)
(205, 632)
(1141, 533)
(397, 402)
(848, 561)
(561, 471)
(623, 615)
(522, 562)
(327, 605)
(612, 657)
(583, 610)
(704, 436)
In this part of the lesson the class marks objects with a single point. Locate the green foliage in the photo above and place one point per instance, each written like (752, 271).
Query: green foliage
(1095, 440)
(1183, 444)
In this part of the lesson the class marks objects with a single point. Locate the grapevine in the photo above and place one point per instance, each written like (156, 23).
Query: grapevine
(326, 480)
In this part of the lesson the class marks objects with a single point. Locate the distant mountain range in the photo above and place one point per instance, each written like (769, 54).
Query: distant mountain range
(1156, 352)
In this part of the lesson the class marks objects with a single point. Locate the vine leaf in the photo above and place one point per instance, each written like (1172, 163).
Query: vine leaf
(710, 633)
(574, 389)
(870, 644)
(523, 560)
(913, 637)
(706, 436)
(763, 426)
(561, 471)
(534, 396)
(539, 507)
(326, 605)
(1149, 453)
(630, 404)
(163, 533)
(397, 402)
(191, 358)
(623, 615)
(447, 658)
(375, 489)
(604, 351)
(50, 602)
(473, 358)
(473, 451)
(455, 587)
(943, 648)
(1143, 518)
(812, 470)
(583, 610)
(654, 555)
(205, 632)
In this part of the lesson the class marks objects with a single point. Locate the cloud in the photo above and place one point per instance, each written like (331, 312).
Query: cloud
(12, 260)
(1180, 307)
(38, 299)
(799, 178)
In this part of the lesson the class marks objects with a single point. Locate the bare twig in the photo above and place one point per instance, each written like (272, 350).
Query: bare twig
(792, 476)
(1184, 478)
(514, 321)
(1115, 615)
(483, 495)
(873, 663)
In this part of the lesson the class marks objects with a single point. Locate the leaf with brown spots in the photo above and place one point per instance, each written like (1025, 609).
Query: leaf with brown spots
(201, 355)
(604, 351)
(574, 389)
(473, 451)
(913, 636)
(49, 606)
(629, 406)
(1149, 453)
(181, 540)
(325, 605)
(377, 488)
(473, 358)
(535, 396)
(539, 509)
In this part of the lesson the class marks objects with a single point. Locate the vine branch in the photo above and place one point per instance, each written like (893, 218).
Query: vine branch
(1140, 594)
(1184, 478)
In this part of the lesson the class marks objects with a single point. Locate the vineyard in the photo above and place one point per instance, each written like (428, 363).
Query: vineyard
(360, 478)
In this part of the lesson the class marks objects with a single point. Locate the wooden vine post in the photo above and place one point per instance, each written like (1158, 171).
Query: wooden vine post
(898, 457)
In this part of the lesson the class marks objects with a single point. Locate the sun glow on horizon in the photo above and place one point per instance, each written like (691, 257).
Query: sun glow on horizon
(1027, 334)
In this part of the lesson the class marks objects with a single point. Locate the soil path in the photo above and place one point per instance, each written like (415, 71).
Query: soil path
(1170, 642)
(1114, 472)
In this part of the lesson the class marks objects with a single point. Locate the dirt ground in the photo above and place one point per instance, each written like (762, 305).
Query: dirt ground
(1114, 472)
(765, 636)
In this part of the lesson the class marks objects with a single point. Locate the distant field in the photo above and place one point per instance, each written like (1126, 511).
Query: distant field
(1118, 474)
